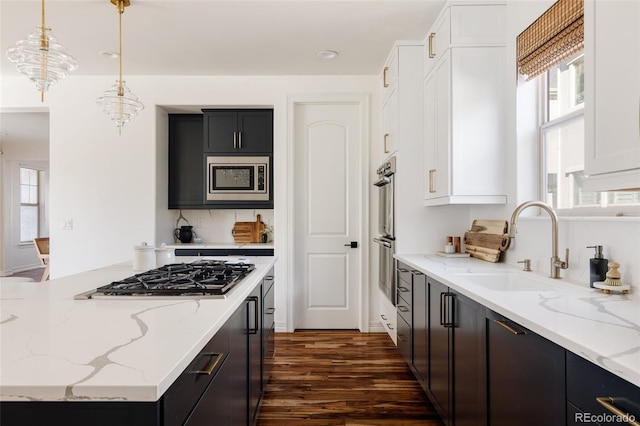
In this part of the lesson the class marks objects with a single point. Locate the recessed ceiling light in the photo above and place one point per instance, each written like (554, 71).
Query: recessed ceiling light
(327, 54)
(108, 54)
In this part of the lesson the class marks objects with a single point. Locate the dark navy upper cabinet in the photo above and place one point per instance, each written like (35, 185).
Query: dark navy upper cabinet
(238, 131)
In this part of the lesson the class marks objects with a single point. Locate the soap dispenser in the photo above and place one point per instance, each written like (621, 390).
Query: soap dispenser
(597, 266)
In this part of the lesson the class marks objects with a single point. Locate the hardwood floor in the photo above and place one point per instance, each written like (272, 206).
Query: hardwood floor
(342, 378)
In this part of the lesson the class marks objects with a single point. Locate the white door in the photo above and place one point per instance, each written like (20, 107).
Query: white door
(327, 210)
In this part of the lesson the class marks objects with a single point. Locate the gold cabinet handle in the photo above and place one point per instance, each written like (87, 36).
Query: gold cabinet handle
(432, 173)
(385, 83)
(240, 140)
(235, 142)
(608, 403)
(386, 141)
(403, 309)
(507, 327)
(431, 52)
(217, 357)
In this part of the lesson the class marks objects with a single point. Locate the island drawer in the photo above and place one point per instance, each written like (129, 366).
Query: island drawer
(186, 391)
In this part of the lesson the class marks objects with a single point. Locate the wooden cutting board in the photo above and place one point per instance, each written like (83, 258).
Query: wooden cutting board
(248, 232)
(487, 239)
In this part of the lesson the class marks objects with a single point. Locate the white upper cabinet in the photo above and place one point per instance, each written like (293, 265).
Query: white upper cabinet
(465, 114)
(465, 25)
(612, 94)
(401, 106)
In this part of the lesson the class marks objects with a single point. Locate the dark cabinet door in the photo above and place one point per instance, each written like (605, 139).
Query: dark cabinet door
(587, 384)
(469, 362)
(420, 323)
(526, 376)
(238, 392)
(186, 162)
(238, 131)
(254, 352)
(439, 348)
(255, 129)
(268, 326)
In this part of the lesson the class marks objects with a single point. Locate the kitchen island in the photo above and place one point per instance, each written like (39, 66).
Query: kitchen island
(602, 328)
(55, 348)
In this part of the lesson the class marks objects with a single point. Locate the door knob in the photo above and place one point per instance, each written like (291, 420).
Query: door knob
(352, 244)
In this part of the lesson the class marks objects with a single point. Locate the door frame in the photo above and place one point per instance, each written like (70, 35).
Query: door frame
(363, 101)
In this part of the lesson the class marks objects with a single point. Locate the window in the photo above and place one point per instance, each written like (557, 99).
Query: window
(562, 138)
(29, 204)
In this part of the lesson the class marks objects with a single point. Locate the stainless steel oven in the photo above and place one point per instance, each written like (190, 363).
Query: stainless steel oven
(386, 226)
(238, 178)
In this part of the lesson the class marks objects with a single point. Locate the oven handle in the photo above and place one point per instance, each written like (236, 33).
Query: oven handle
(387, 244)
(383, 181)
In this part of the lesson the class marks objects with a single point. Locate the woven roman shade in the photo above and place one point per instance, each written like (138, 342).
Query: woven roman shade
(552, 38)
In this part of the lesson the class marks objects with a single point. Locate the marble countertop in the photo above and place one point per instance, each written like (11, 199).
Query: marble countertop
(602, 328)
(55, 348)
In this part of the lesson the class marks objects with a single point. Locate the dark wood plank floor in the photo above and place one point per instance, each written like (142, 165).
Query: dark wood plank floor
(342, 378)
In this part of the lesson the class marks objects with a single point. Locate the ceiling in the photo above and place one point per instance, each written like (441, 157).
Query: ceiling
(219, 37)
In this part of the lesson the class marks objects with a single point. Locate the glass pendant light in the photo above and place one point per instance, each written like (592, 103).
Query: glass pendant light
(118, 101)
(41, 58)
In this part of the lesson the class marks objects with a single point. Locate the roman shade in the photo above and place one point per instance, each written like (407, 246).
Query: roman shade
(552, 38)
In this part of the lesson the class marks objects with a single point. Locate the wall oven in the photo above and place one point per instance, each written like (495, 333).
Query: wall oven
(237, 178)
(386, 267)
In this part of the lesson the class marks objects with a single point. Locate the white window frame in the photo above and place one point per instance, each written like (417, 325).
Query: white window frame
(543, 127)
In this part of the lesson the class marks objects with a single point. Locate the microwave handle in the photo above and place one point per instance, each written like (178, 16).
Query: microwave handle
(383, 181)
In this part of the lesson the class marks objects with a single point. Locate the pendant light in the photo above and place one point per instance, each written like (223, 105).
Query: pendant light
(118, 101)
(41, 58)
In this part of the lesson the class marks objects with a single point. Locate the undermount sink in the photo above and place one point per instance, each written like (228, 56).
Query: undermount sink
(508, 281)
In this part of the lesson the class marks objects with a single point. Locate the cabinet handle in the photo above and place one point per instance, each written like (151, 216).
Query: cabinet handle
(235, 143)
(608, 403)
(386, 142)
(240, 140)
(217, 357)
(389, 326)
(385, 83)
(431, 52)
(256, 326)
(507, 327)
(270, 311)
(402, 308)
(445, 313)
(383, 317)
(403, 270)
(432, 173)
(403, 289)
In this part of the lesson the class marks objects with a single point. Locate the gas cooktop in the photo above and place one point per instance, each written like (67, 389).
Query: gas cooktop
(202, 279)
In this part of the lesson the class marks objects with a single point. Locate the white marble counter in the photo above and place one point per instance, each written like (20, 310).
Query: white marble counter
(604, 329)
(55, 348)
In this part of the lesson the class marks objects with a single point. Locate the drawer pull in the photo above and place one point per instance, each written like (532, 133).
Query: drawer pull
(506, 326)
(403, 289)
(608, 403)
(217, 357)
(403, 308)
(269, 311)
(383, 317)
(432, 54)
(385, 83)
(389, 326)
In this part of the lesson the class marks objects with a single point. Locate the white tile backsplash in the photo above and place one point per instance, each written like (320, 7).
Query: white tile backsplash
(619, 236)
(216, 225)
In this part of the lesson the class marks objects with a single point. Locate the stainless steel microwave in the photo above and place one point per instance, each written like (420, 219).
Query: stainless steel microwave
(237, 178)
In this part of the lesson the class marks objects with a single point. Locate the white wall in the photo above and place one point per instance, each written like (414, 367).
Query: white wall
(114, 187)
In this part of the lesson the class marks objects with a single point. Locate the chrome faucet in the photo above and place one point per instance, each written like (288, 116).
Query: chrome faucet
(556, 263)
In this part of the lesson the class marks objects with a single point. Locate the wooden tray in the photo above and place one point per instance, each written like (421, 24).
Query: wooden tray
(248, 232)
(487, 239)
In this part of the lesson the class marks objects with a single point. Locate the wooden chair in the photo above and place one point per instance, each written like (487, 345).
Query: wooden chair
(42, 247)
